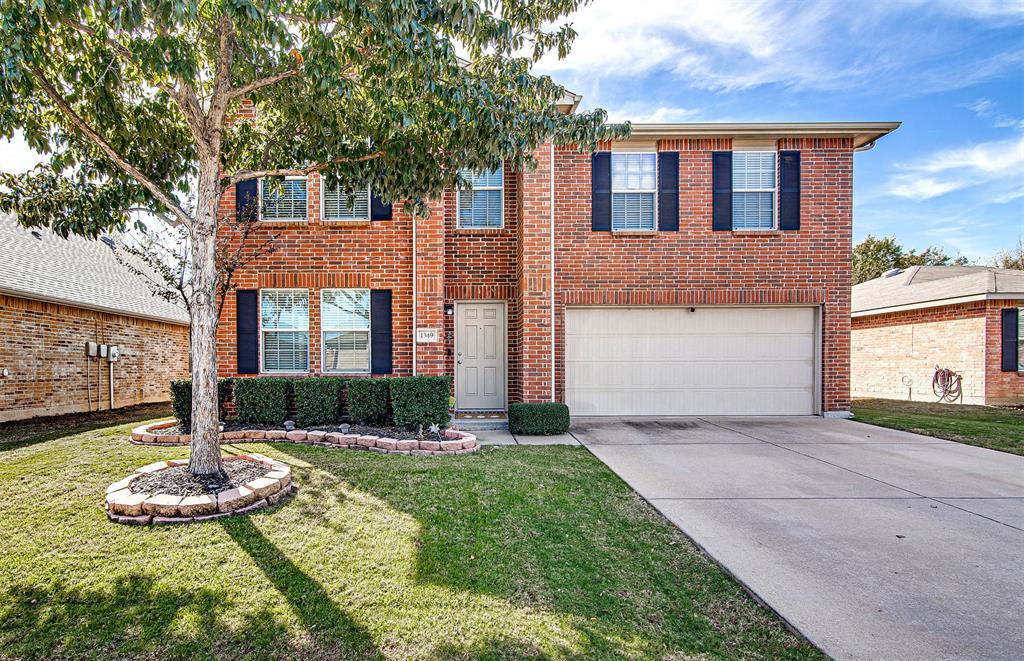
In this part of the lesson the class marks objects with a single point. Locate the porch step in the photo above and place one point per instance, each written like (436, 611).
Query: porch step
(481, 423)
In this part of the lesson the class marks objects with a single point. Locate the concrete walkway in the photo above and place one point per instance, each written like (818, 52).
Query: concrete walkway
(505, 437)
(874, 543)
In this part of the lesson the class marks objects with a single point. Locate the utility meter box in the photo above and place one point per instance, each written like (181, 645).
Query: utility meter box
(92, 349)
(113, 353)
(103, 351)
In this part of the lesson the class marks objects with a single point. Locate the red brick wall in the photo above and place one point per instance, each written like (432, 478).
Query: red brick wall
(50, 374)
(699, 266)
(1000, 387)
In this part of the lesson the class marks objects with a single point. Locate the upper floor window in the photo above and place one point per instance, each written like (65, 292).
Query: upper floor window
(284, 199)
(341, 204)
(753, 190)
(634, 189)
(483, 206)
(284, 330)
(345, 324)
(1020, 340)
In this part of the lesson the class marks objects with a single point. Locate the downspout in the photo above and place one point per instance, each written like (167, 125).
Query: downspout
(551, 223)
(413, 220)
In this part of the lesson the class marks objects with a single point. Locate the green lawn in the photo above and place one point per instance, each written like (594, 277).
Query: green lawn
(985, 426)
(513, 552)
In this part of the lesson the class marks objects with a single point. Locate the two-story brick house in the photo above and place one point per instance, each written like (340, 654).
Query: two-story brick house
(689, 269)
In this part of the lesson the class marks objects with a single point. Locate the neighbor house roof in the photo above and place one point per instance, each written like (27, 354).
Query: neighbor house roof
(40, 265)
(930, 286)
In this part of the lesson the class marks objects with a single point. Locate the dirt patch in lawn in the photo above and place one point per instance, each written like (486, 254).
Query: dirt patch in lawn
(178, 481)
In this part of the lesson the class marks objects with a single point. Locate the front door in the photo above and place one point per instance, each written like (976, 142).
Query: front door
(480, 356)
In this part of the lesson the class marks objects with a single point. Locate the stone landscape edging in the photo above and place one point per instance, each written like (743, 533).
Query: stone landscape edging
(143, 508)
(456, 442)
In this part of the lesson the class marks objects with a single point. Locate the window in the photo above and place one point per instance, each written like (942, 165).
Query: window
(345, 322)
(337, 205)
(284, 329)
(753, 190)
(634, 187)
(1020, 340)
(483, 206)
(284, 199)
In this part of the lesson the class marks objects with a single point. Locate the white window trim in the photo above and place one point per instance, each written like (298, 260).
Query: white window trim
(263, 370)
(259, 198)
(323, 212)
(458, 204)
(635, 190)
(774, 191)
(324, 330)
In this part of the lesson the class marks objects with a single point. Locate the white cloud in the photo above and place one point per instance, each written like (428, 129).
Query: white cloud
(16, 156)
(638, 112)
(994, 165)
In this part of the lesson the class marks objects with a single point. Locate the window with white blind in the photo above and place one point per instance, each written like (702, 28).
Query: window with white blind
(341, 204)
(753, 190)
(1020, 340)
(284, 199)
(634, 190)
(483, 205)
(345, 324)
(284, 330)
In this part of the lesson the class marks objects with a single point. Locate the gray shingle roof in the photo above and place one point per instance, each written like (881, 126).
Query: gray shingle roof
(39, 264)
(936, 285)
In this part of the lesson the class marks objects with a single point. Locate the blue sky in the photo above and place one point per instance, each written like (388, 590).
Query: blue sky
(951, 70)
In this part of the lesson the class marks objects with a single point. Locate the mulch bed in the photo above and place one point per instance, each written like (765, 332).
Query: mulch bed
(384, 431)
(177, 481)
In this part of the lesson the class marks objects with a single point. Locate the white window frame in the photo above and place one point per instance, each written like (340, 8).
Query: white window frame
(323, 209)
(324, 329)
(654, 227)
(774, 190)
(458, 203)
(263, 354)
(259, 197)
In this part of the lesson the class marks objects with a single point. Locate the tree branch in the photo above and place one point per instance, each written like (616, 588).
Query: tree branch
(111, 153)
(249, 88)
(246, 175)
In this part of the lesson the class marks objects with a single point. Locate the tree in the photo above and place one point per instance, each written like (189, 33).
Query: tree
(1012, 258)
(134, 102)
(872, 257)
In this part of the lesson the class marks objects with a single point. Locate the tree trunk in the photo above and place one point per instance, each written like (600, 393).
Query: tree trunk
(205, 455)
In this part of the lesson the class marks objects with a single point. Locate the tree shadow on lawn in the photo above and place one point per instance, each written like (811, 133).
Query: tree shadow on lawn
(552, 529)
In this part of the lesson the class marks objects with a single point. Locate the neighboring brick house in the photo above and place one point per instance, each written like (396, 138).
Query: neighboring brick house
(690, 269)
(964, 318)
(57, 295)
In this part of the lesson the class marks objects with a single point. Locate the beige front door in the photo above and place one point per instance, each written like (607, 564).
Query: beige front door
(480, 356)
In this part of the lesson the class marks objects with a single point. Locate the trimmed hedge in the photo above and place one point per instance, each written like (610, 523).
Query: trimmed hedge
(420, 400)
(181, 400)
(262, 400)
(318, 400)
(537, 419)
(369, 401)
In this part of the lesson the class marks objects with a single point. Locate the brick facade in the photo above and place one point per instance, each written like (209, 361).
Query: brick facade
(50, 374)
(894, 355)
(809, 267)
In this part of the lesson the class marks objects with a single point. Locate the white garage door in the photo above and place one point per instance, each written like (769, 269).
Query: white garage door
(670, 361)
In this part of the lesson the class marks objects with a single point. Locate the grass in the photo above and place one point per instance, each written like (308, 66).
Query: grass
(515, 552)
(985, 426)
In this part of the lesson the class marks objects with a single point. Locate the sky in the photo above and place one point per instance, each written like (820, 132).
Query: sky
(951, 70)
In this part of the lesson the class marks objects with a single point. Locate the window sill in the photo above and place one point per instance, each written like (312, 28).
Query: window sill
(362, 222)
(283, 221)
(752, 230)
(634, 232)
(480, 230)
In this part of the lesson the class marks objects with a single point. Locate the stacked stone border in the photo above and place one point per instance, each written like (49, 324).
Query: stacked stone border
(456, 442)
(142, 508)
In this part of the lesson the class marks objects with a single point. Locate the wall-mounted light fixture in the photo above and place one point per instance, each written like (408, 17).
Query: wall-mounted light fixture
(449, 309)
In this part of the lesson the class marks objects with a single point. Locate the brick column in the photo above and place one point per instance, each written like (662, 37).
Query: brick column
(430, 359)
(534, 281)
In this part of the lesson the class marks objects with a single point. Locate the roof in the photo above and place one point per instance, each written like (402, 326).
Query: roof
(40, 265)
(864, 134)
(930, 286)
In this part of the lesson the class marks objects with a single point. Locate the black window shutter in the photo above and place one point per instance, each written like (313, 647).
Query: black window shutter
(246, 207)
(1010, 330)
(247, 330)
(789, 190)
(379, 210)
(668, 191)
(601, 191)
(721, 184)
(380, 331)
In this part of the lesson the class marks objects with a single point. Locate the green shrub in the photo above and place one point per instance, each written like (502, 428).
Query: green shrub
(533, 419)
(181, 400)
(317, 400)
(262, 400)
(369, 401)
(420, 400)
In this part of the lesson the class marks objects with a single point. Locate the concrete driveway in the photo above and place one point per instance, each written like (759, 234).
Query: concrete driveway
(875, 544)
